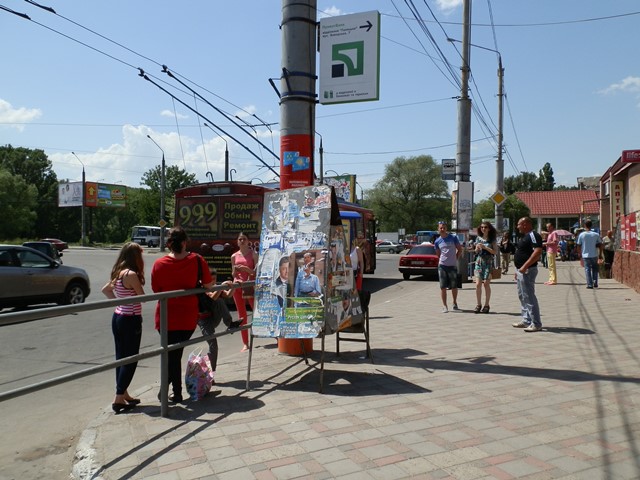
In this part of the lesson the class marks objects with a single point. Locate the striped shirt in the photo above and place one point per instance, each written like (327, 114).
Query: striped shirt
(123, 292)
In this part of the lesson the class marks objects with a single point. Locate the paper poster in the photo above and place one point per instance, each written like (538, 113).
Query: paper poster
(304, 280)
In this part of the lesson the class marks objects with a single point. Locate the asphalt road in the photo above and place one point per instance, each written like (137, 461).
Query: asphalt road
(40, 431)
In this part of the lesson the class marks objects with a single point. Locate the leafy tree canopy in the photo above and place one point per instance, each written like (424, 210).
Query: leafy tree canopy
(18, 202)
(410, 195)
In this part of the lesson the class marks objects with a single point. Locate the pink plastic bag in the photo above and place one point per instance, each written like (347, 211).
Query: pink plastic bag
(198, 376)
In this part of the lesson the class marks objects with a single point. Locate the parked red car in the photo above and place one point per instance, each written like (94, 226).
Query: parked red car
(420, 260)
(59, 244)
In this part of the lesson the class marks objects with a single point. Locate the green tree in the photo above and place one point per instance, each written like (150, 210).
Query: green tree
(525, 182)
(18, 202)
(148, 200)
(410, 195)
(547, 182)
(36, 169)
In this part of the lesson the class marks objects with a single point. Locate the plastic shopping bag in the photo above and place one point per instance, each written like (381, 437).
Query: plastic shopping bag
(198, 377)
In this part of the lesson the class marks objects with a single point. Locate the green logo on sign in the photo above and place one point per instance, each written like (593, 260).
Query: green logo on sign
(345, 54)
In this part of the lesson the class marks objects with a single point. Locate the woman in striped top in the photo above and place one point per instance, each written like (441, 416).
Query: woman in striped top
(127, 279)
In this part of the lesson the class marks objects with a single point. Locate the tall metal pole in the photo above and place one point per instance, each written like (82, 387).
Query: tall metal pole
(463, 162)
(297, 108)
(83, 231)
(464, 194)
(162, 190)
(226, 152)
(499, 209)
(298, 87)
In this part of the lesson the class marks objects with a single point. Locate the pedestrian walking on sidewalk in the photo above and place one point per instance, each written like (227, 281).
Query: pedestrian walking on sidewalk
(551, 246)
(609, 246)
(127, 279)
(507, 248)
(178, 271)
(590, 248)
(485, 249)
(528, 252)
(448, 249)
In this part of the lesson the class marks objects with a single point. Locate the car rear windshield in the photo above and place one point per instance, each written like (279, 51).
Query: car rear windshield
(422, 250)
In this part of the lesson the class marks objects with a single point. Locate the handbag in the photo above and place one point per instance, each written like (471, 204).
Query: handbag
(198, 376)
(496, 273)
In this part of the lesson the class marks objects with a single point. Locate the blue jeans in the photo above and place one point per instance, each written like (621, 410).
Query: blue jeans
(127, 333)
(527, 294)
(591, 271)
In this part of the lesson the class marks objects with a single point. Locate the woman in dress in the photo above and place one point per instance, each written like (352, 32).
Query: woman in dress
(127, 279)
(243, 269)
(178, 271)
(485, 248)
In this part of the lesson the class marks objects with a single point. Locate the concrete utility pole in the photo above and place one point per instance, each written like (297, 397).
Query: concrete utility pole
(499, 209)
(298, 92)
(297, 109)
(463, 162)
(464, 195)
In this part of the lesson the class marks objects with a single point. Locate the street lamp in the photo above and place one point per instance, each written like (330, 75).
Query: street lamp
(328, 171)
(162, 186)
(234, 171)
(83, 231)
(361, 192)
(226, 152)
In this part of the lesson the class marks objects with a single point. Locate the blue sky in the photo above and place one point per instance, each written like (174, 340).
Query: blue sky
(572, 81)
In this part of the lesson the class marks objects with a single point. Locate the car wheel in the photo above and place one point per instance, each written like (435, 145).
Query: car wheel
(73, 294)
(150, 244)
(406, 276)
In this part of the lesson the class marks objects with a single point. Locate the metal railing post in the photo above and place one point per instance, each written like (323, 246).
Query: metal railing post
(164, 359)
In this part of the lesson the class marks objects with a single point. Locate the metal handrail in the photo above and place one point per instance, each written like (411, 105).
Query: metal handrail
(21, 317)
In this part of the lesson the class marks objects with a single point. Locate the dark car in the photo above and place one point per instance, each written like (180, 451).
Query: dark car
(389, 246)
(29, 277)
(420, 260)
(56, 242)
(47, 248)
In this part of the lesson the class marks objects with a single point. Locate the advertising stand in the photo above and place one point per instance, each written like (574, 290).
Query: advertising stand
(304, 285)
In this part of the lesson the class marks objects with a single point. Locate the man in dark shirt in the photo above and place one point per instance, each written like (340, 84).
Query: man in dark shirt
(528, 252)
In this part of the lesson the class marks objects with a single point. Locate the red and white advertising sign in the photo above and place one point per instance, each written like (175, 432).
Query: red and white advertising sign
(631, 156)
(632, 231)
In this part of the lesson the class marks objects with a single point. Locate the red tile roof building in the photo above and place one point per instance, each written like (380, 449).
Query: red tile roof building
(571, 205)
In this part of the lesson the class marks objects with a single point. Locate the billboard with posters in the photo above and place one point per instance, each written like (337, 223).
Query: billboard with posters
(304, 281)
(70, 194)
(344, 185)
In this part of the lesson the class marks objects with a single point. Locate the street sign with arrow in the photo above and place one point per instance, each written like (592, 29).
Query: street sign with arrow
(350, 58)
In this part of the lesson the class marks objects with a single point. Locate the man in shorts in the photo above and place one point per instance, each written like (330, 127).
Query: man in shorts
(448, 249)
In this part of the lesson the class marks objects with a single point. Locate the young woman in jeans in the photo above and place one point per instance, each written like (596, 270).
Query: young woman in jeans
(127, 279)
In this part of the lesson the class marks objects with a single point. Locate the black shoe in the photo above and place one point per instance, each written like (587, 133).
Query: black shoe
(175, 398)
(119, 407)
(234, 325)
(133, 401)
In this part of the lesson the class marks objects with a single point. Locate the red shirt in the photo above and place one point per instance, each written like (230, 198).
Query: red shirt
(170, 274)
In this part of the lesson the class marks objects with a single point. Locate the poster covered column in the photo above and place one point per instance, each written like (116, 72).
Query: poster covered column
(304, 284)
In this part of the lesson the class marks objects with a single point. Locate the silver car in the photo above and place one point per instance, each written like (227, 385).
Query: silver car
(389, 247)
(29, 277)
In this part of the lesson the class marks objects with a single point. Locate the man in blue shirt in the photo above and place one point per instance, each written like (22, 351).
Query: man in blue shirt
(448, 249)
(590, 247)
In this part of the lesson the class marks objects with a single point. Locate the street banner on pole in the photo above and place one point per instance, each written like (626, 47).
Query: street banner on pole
(350, 58)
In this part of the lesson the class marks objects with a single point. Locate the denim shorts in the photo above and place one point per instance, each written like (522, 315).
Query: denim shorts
(448, 276)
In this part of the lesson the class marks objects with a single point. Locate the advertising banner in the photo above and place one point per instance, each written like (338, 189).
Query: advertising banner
(70, 194)
(304, 281)
(344, 185)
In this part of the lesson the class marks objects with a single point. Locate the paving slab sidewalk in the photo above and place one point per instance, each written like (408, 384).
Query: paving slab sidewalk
(456, 395)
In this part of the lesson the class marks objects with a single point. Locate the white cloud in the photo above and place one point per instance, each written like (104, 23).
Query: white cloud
(332, 11)
(169, 113)
(629, 84)
(17, 117)
(448, 5)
